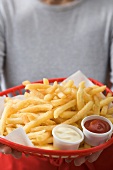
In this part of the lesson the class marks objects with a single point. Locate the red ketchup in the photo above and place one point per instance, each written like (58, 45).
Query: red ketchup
(97, 126)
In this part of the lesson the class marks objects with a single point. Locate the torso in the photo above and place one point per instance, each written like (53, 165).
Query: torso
(56, 42)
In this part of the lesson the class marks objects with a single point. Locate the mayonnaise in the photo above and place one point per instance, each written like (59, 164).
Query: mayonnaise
(67, 134)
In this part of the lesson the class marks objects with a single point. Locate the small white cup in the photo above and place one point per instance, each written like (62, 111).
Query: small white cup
(63, 144)
(95, 139)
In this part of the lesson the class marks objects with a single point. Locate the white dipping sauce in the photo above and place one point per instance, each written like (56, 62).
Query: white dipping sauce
(67, 134)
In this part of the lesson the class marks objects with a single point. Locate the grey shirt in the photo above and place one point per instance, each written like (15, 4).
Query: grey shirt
(38, 40)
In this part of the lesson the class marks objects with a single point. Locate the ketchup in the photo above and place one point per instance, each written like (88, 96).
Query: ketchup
(97, 126)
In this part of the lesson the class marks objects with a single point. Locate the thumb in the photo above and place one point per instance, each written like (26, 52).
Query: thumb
(5, 149)
(16, 154)
(79, 161)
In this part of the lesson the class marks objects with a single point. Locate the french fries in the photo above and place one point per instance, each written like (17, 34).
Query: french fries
(46, 105)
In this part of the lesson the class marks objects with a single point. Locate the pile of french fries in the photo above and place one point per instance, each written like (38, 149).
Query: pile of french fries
(47, 105)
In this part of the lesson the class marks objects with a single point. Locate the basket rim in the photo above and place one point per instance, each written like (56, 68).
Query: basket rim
(40, 151)
(51, 80)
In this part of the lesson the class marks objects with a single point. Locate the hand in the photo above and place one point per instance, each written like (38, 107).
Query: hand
(7, 150)
(90, 158)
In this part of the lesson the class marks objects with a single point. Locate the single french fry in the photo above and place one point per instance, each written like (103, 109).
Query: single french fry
(49, 140)
(18, 125)
(45, 81)
(69, 83)
(60, 102)
(32, 116)
(10, 125)
(9, 129)
(67, 90)
(26, 82)
(88, 89)
(55, 98)
(97, 90)
(41, 139)
(63, 108)
(33, 135)
(47, 146)
(61, 95)
(52, 89)
(80, 113)
(38, 121)
(7, 99)
(68, 114)
(109, 94)
(87, 97)
(25, 119)
(100, 96)
(8, 110)
(109, 116)
(59, 120)
(49, 122)
(82, 84)
(30, 101)
(15, 115)
(36, 86)
(80, 98)
(87, 146)
(104, 110)
(73, 93)
(46, 139)
(5, 133)
(79, 122)
(48, 97)
(91, 112)
(96, 106)
(37, 94)
(37, 108)
(18, 120)
(39, 128)
(111, 119)
(76, 125)
(110, 110)
(106, 101)
(43, 143)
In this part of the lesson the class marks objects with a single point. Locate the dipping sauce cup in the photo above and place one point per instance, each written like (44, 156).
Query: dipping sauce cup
(67, 137)
(96, 129)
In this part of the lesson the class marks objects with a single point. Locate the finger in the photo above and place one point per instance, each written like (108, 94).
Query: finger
(16, 154)
(5, 149)
(79, 161)
(94, 156)
(68, 160)
(27, 155)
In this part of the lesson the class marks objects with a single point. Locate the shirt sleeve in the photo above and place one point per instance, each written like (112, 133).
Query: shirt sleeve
(2, 43)
(111, 56)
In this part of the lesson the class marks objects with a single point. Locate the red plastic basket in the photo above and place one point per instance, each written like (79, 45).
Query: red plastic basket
(57, 155)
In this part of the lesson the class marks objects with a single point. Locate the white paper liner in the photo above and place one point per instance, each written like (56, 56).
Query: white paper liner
(78, 77)
(1, 105)
(19, 136)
